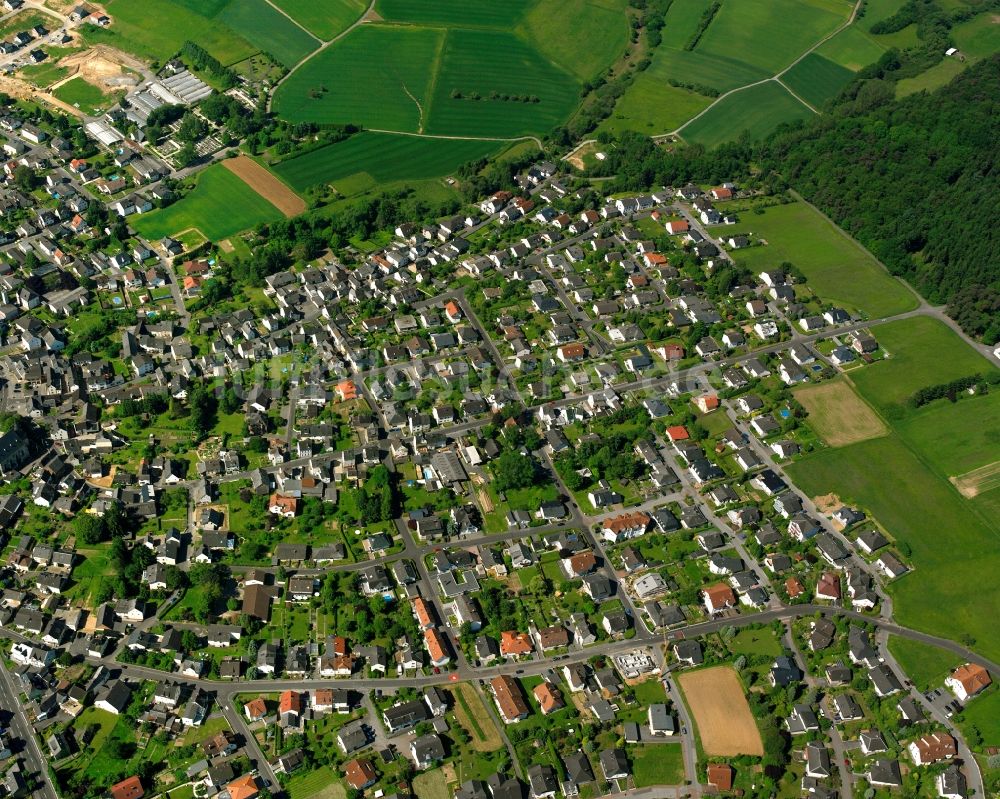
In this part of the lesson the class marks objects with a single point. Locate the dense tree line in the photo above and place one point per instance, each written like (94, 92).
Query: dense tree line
(913, 180)
(951, 390)
(703, 23)
(203, 61)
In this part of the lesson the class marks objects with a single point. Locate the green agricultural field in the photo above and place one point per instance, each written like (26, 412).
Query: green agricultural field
(923, 352)
(653, 106)
(955, 438)
(771, 35)
(466, 13)
(817, 79)
(927, 666)
(852, 48)
(952, 546)
(557, 29)
(324, 18)
(219, 206)
(269, 30)
(85, 96)
(383, 156)
(836, 267)
(719, 72)
(476, 69)
(156, 29)
(658, 764)
(344, 83)
(682, 21)
(494, 65)
(759, 109)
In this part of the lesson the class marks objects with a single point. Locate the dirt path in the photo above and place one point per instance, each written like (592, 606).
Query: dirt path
(420, 108)
(266, 185)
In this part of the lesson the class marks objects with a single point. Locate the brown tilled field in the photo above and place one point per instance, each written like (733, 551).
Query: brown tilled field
(266, 185)
(721, 713)
(838, 414)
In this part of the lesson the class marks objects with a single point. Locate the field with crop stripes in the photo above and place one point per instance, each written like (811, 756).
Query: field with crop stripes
(759, 109)
(518, 91)
(375, 76)
(384, 156)
(817, 79)
(323, 18)
(272, 32)
(472, 68)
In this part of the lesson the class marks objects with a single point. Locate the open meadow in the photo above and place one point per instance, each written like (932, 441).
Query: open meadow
(85, 96)
(836, 267)
(928, 666)
(491, 83)
(725, 724)
(658, 764)
(220, 205)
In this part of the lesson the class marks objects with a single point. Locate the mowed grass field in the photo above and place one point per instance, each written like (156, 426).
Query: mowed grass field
(836, 267)
(346, 83)
(556, 30)
(928, 666)
(220, 205)
(922, 352)
(384, 156)
(955, 551)
(658, 764)
(759, 110)
(746, 42)
(85, 96)
(464, 13)
(264, 27)
(324, 18)
(653, 106)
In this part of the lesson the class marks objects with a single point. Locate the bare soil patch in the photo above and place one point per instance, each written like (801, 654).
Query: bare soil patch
(103, 67)
(266, 185)
(725, 723)
(838, 415)
(978, 481)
